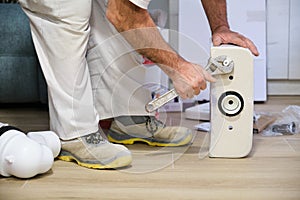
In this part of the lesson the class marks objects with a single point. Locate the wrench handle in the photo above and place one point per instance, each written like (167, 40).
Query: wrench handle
(161, 100)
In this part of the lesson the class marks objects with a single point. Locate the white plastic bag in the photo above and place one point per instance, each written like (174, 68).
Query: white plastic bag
(287, 123)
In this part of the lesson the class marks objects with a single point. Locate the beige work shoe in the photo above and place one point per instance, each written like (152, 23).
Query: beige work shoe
(131, 129)
(93, 151)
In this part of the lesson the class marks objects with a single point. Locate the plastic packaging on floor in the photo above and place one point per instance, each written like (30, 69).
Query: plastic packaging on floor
(287, 122)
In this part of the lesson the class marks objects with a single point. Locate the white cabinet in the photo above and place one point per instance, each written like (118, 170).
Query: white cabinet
(294, 43)
(277, 38)
(283, 27)
(283, 47)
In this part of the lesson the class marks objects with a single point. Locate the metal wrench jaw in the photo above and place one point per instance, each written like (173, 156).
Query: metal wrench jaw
(219, 65)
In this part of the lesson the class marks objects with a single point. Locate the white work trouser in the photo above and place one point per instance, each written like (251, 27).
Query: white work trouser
(90, 71)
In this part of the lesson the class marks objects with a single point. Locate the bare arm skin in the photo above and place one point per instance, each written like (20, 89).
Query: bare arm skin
(136, 25)
(216, 13)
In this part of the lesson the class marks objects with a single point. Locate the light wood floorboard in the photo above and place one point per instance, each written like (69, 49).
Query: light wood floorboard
(271, 171)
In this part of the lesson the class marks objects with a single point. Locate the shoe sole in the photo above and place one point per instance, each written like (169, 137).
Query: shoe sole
(150, 141)
(117, 163)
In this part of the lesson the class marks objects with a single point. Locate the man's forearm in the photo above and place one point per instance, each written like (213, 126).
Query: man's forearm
(136, 25)
(216, 12)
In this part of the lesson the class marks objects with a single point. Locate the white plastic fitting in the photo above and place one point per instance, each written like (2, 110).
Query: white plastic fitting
(26, 156)
(47, 138)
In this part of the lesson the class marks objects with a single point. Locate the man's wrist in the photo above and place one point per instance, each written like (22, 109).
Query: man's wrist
(220, 28)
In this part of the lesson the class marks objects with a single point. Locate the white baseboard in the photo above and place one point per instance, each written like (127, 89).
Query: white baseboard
(283, 87)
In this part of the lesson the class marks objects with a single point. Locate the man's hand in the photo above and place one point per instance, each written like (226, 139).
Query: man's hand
(216, 12)
(189, 80)
(224, 35)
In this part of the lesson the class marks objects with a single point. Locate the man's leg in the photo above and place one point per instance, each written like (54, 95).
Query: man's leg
(60, 31)
(119, 88)
(117, 78)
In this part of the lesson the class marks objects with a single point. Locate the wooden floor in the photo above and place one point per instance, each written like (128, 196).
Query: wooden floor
(271, 171)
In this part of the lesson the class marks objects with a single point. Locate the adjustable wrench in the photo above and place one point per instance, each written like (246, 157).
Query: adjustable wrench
(215, 66)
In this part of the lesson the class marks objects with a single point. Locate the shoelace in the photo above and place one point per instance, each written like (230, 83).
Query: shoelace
(152, 124)
(95, 138)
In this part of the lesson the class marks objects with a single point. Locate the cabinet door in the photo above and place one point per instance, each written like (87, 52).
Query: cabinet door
(277, 38)
(294, 51)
